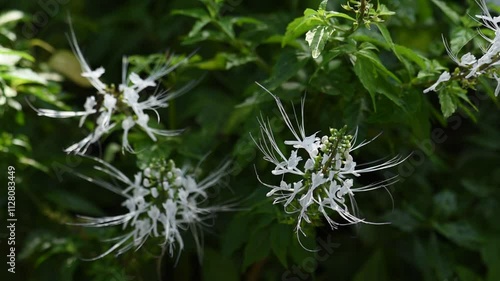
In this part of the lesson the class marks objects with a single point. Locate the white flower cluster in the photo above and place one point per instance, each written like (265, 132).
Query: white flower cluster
(470, 66)
(113, 105)
(161, 201)
(320, 171)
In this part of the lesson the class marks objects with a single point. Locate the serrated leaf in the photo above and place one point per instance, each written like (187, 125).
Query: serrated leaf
(317, 39)
(378, 64)
(448, 105)
(371, 74)
(300, 26)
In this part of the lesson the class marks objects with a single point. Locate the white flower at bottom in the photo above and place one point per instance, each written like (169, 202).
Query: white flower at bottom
(319, 183)
(162, 201)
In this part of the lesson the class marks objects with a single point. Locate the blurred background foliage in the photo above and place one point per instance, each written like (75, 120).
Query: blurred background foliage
(446, 205)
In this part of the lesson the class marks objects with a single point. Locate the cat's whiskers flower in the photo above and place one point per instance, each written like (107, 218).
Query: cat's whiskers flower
(124, 104)
(323, 170)
(161, 201)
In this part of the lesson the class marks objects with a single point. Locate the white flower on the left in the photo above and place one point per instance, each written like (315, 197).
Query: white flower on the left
(118, 105)
(161, 202)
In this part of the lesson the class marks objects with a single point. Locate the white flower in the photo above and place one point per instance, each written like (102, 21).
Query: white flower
(491, 53)
(155, 210)
(469, 65)
(445, 76)
(497, 88)
(325, 185)
(126, 104)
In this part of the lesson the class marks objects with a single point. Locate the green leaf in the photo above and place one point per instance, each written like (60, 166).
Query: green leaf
(226, 25)
(205, 35)
(385, 33)
(301, 25)
(322, 5)
(445, 203)
(33, 163)
(402, 220)
(371, 74)
(411, 55)
(194, 13)
(198, 26)
(258, 248)
(286, 67)
(374, 269)
(466, 274)
(297, 251)
(23, 76)
(213, 262)
(11, 57)
(490, 254)
(236, 234)
(239, 21)
(450, 13)
(281, 238)
(399, 50)
(448, 104)
(459, 37)
(332, 14)
(378, 64)
(317, 39)
(461, 233)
